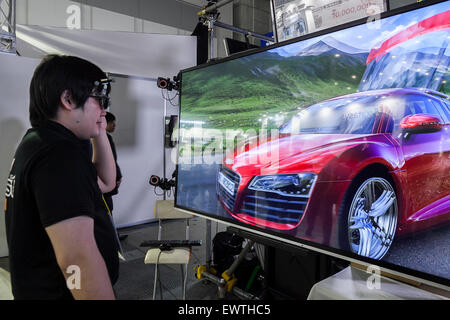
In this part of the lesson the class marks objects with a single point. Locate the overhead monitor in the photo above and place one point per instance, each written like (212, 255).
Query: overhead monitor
(294, 18)
(337, 141)
(233, 46)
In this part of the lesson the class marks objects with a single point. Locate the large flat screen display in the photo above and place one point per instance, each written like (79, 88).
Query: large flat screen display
(338, 140)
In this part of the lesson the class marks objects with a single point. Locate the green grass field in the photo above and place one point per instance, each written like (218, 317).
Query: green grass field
(230, 96)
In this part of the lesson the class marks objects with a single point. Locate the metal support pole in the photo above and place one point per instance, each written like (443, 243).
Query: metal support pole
(211, 25)
(245, 32)
(208, 244)
(244, 294)
(8, 26)
(208, 222)
(241, 257)
(220, 282)
(164, 145)
(186, 265)
(212, 278)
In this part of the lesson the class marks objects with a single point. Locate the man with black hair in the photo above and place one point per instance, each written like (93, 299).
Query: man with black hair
(60, 237)
(110, 127)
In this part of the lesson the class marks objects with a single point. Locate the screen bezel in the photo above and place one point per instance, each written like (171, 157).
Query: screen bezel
(397, 270)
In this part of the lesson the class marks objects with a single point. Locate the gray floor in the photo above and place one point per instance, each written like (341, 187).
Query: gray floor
(136, 278)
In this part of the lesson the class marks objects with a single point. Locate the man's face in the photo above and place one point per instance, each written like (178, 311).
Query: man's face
(91, 119)
(111, 126)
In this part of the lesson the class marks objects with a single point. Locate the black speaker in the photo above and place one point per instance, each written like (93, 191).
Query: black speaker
(291, 273)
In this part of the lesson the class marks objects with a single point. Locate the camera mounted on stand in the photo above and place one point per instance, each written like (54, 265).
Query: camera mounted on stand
(163, 183)
(167, 83)
(211, 14)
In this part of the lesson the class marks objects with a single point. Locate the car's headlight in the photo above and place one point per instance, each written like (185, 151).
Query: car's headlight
(293, 184)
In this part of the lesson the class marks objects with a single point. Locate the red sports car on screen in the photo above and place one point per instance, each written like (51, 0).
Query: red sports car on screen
(351, 172)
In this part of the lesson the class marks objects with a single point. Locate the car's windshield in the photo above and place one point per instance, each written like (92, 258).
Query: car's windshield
(358, 114)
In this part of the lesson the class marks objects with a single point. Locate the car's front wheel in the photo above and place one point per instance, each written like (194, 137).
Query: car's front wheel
(369, 218)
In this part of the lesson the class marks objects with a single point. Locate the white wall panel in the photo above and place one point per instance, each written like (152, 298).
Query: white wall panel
(16, 73)
(139, 109)
(138, 54)
(137, 103)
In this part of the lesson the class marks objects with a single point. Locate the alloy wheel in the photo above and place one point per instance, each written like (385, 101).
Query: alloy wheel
(372, 218)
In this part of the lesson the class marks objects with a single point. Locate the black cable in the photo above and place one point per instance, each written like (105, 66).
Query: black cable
(159, 275)
(167, 192)
(169, 98)
(154, 190)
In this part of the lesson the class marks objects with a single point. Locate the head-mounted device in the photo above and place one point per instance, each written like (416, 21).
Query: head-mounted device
(101, 92)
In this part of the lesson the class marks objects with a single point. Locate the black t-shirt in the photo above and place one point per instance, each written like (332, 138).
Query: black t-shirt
(52, 179)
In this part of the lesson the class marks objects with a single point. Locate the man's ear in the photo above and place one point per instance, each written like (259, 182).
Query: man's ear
(66, 100)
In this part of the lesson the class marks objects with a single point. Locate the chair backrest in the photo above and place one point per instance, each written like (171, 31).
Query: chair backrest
(164, 209)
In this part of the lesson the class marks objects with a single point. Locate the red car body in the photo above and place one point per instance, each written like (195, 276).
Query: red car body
(418, 164)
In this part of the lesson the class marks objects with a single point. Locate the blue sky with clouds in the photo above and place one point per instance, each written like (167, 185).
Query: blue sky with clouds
(371, 35)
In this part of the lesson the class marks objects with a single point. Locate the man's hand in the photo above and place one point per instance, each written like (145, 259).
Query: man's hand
(103, 124)
(103, 160)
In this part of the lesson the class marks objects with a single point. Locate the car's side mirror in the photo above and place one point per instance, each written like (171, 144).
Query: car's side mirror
(421, 123)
